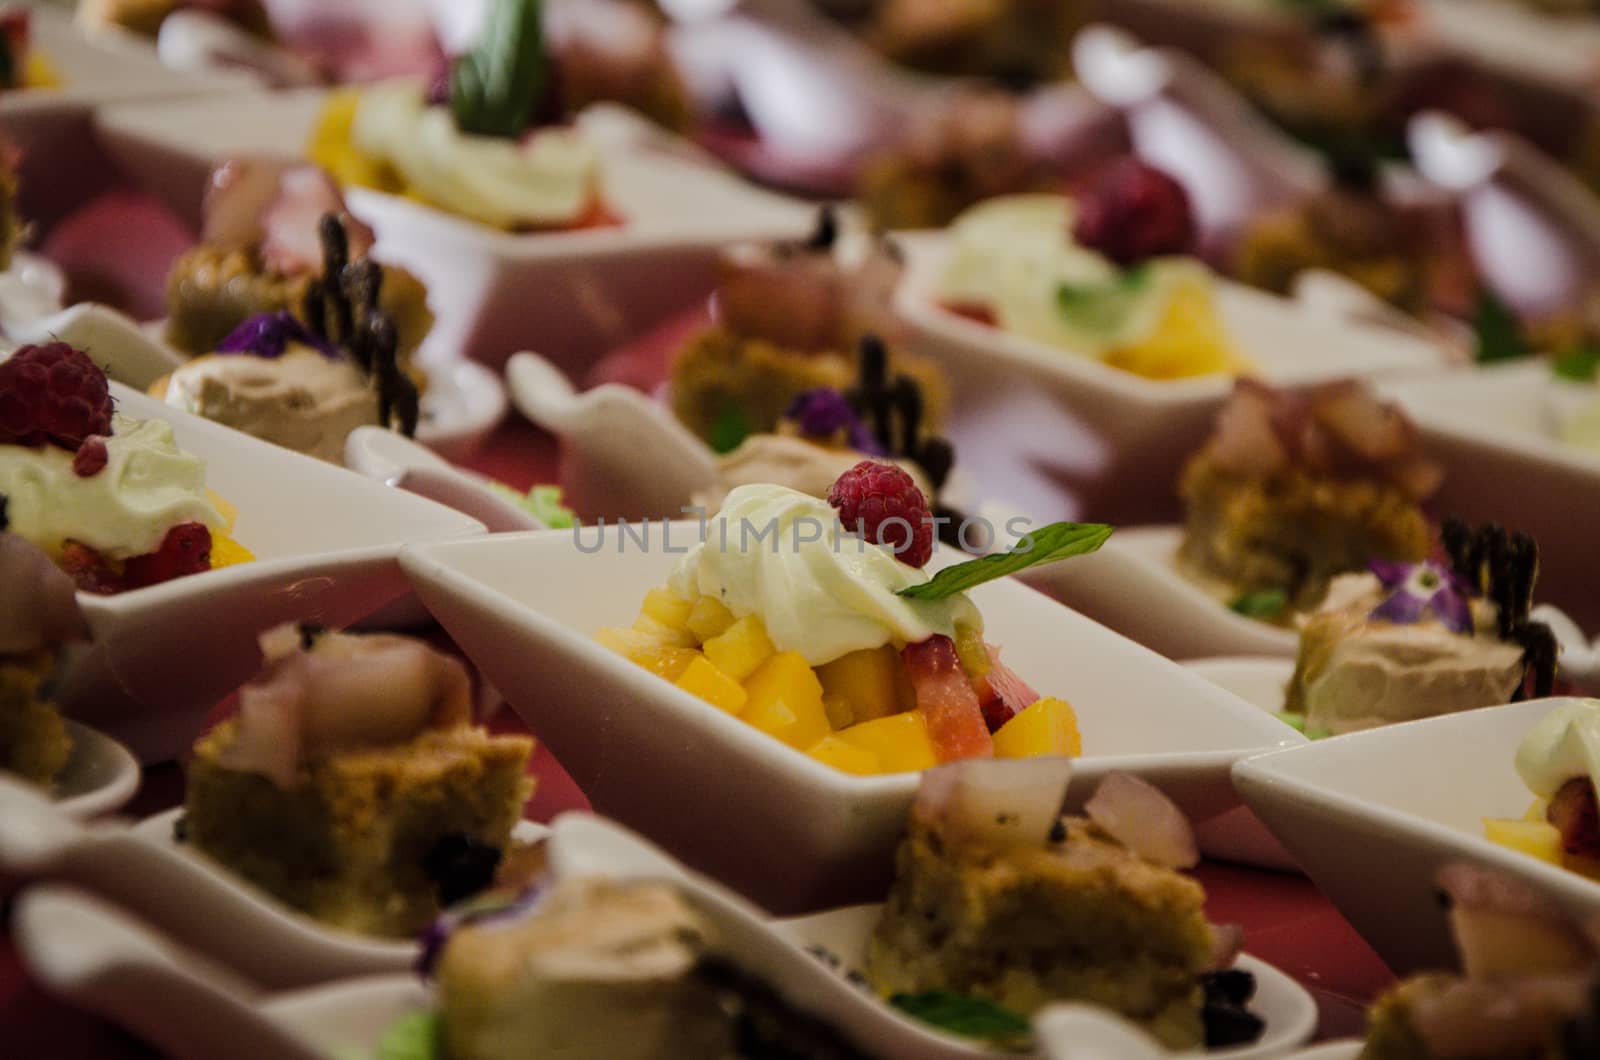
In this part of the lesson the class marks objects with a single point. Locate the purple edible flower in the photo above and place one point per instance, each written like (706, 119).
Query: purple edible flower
(269, 334)
(824, 412)
(1418, 589)
(487, 908)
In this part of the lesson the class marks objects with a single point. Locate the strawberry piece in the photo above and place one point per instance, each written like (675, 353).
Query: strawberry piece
(185, 550)
(1573, 812)
(1002, 694)
(946, 700)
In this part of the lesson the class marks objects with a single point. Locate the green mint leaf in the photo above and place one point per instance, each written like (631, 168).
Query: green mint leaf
(1497, 330)
(1102, 308)
(1267, 603)
(1044, 545)
(970, 1017)
(496, 88)
(729, 430)
(1579, 364)
(541, 502)
(413, 1036)
(1298, 723)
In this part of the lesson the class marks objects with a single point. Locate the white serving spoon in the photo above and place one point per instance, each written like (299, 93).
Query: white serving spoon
(398, 461)
(100, 776)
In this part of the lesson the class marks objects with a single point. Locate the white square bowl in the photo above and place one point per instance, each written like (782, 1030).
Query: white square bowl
(52, 127)
(325, 541)
(567, 295)
(1098, 437)
(1372, 817)
(1494, 430)
(732, 801)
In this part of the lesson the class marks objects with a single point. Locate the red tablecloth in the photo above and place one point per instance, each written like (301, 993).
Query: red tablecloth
(117, 250)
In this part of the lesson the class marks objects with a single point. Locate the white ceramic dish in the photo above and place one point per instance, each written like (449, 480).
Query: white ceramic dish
(1257, 680)
(398, 461)
(525, 606)
(99, 957)
(1494, 431)
(325, 542)
(571, 295)
(1396, 805)
(100, 776)
(1097, 436)
(31, 288)
(463, 402)
(1134, 585)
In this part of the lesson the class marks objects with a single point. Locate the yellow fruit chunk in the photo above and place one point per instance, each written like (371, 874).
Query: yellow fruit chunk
(872, 681)
(786, 700)
(667, 608)
(702, 679)
(642, 649)
(708, 618)
(1538, 810)
(1048, 727)
(225, 552)
(653, 627)
(332, 147)
(1190, 338)
(846, 756)
(973, 652)
(900, 742)
(837, 708)
(1537, 838)
(741, 648)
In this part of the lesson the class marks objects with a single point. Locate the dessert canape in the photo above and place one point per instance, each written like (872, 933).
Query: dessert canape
(788, 319)
(262, 250)
(999, 898)
(1414, 640)
(111, 499)
(306, 387)
(353, 785)
(486, 142)
(1107, 277)
(1559, 760)
(588, 967)
(837, 642)
(1297, 486)
(38, 613)
(1528, 989)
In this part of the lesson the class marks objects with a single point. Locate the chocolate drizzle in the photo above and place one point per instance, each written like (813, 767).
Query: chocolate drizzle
(341, 307)
(1503, 567)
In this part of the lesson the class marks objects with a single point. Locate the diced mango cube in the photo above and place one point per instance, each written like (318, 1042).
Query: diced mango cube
(846, 756)
(840, 714)
(900, 742)
(973, 652)
(651, 652)
(667, 608)
(786, 700)
(654, 627)
(873, 681)
(741, 648)
(1538, 810)
(708, 618)
(1048, 727)
(702, 679)
(1537, 838)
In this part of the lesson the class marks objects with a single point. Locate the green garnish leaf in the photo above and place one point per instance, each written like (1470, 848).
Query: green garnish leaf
(1266, 603)
(1102, 308)
(1044, 545)
(970, 1017)
(496, 88)
(541, 502)
(1579, 364)
(729, 430)
(1298, 722)
(413, 1036)
(1497, 330)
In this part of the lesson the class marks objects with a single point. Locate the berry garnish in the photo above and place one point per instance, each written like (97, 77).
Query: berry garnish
(92, 457)
(1136, 212)
(52, 394)
(185, 550)
(884, 504)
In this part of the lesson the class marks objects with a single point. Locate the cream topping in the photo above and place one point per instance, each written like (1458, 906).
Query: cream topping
(147, 487)
(302, 400)
(548, 178)
(783, 555)
(1564, 745)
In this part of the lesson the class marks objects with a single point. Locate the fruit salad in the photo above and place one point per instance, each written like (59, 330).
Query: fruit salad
(484, 143)
(112, 499)
(812, 639)
(1559, 760)
(1106, 277)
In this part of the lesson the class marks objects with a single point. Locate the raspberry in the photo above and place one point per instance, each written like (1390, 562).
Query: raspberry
(871, 494)
(52, 393)
(1136, 212)
(185, 550)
